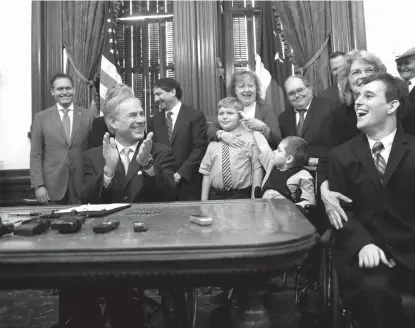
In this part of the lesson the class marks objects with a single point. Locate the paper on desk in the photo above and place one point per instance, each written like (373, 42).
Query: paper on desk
(92, 208)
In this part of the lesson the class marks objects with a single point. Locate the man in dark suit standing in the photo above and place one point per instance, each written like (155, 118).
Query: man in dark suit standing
(337, 61)
(60, 135)
(375, 248)
(307, 118)
(184, 130)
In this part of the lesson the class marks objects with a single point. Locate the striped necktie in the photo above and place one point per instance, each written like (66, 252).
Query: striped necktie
(226, 167)
(169, 122)
(125, 158)
(66, 122)
(380, 162)
(301, 120)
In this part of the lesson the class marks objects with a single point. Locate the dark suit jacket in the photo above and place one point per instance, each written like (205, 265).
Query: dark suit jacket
(262, 113)
(332, 94)
(382, 215)
(134, 187)
(341, 128)
(407, 113)
(189, 143)
(99, 128)
(314, 126)
(53, 160)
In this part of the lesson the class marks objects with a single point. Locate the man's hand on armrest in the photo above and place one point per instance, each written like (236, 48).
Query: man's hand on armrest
(370, 256)
(312, 161)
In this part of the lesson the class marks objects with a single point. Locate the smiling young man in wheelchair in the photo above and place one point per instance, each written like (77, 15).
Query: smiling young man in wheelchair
(374, 251)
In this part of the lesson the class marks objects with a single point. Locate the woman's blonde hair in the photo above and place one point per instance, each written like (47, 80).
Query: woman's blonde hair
(345, 92)
(239, 75)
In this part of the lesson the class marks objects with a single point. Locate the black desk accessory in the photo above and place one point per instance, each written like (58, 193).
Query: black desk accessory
(106, 226)
(5, 228)
(32, 227)
(68, 223)
(140, 226)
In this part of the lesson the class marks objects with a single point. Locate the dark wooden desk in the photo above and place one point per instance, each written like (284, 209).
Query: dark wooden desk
(248, 238)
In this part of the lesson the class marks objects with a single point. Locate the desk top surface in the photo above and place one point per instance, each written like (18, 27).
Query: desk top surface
(237, 225)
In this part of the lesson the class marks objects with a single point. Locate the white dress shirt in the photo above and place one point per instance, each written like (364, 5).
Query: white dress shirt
(297, 114)
(250, 110)
(70, 114)
(175, 112)
(411, 86)
(387, 145)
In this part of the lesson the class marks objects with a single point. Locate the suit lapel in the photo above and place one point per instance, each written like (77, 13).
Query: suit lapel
(56, 123)
(396, 155)
(179, 121)
(362, 151)
(289, 122)
(77, 119)
(162, 134)
(309, 117)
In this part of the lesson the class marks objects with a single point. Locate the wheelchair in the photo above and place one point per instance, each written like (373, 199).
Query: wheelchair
(335, 311)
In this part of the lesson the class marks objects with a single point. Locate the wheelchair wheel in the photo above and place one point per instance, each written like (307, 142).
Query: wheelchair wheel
(335, 299)
(181, 309)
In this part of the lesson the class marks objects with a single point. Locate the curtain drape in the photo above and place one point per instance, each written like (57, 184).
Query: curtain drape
(196, 49)
(348, 25)
(83, 39)
(307, 25)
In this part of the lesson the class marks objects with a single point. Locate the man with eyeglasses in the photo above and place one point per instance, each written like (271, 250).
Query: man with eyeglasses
(306, 118)
(337, 61)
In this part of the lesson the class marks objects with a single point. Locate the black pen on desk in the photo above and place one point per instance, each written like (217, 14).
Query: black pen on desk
(26, 214)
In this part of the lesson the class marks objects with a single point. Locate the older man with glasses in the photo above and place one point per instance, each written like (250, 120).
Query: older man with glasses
(306, 118)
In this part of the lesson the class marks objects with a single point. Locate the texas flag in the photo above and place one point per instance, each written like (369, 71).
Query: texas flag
(271, 66)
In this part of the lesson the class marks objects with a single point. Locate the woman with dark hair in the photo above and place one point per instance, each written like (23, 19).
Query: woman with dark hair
(342, 123)
(245, 86)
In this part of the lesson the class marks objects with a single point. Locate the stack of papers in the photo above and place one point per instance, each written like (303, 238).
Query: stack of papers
(94, 208)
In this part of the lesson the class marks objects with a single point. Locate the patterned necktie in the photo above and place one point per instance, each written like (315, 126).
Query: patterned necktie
(226, 167)
(300, 123)
(125, 158)
(66, 123)
(380, 162)
(169, 123)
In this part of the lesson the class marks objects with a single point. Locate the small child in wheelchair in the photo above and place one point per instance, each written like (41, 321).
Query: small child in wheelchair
(285, 175)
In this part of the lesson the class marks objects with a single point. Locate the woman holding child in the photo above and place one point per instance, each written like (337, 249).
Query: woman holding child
(245, 86)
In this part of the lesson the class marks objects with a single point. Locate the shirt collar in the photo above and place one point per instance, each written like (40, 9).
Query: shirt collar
(121, 147)
(412, 83)
(306, 107)
(237, 129)
(386, 141)
(250, 107)
(175, 110)
(71, 106)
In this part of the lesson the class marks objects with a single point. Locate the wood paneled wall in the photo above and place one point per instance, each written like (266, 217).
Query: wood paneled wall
(196, 41)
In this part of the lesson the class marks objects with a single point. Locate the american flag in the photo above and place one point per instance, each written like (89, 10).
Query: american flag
(109, 62)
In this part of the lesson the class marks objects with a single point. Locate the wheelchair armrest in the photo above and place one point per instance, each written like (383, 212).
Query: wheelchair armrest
(327, 237)
(257, 192)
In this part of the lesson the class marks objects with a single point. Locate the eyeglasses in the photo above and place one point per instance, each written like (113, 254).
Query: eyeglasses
(358, 72)
(299, 91)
